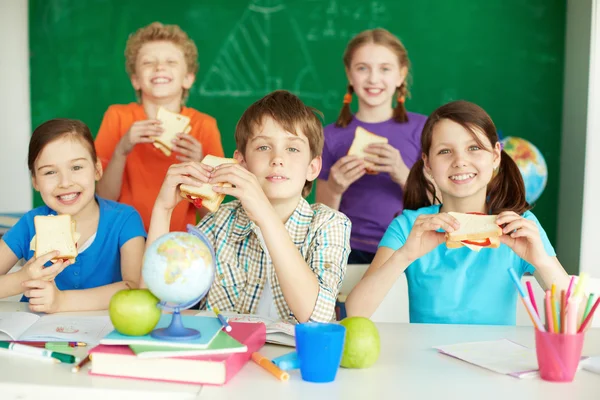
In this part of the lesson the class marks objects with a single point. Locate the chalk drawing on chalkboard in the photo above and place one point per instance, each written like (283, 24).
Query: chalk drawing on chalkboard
(330, 19)
(252, 62)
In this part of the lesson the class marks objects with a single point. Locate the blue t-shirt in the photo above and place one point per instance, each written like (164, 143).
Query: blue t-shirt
(99, 264)
(460, 286)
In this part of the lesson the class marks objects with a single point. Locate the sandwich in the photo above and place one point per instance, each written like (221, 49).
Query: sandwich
(203, 195)
(55, 232)
(172, 124)
(363, 138)
(476, 232)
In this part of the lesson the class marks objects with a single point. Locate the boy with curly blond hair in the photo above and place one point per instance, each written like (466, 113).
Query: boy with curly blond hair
(162, 62)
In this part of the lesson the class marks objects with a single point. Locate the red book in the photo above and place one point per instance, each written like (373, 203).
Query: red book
(120, 361)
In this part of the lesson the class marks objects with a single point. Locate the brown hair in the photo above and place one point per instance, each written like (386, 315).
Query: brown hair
(291, 113)
(157, 32)
(55, 129)
(506, 190)
(384, 38)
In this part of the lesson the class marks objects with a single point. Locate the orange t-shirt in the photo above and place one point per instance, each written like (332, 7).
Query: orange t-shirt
(147, 166)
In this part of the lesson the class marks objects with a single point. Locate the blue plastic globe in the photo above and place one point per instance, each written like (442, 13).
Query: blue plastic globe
(178, 268)
(531, 163)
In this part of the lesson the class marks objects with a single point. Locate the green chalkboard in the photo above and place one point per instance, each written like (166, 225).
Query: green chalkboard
(505, 55)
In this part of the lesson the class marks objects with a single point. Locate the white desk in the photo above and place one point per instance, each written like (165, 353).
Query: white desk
(408, 368)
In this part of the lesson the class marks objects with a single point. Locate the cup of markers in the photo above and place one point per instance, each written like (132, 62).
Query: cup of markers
(560, 335)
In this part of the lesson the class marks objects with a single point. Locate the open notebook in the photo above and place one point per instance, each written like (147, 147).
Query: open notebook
(26, 326)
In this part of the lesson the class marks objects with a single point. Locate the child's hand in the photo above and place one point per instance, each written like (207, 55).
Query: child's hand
(387, 159)
(35, 270)
(424, 237)
(190, 173)
(189, 148)
(140, 132)
(245, 188)
(523, 237)
(43, 296)
(345, 172)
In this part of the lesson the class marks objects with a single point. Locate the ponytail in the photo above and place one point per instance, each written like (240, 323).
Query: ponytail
(506, 191)
(419, 191)
(345, 116)
(400, 111)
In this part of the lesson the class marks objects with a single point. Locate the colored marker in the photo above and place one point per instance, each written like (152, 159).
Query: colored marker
(224, 322)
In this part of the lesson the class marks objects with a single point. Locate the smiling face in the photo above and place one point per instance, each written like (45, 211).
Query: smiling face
(65, 175)
(375, 73)
(280, 160)
(161, 71)
(462, 163)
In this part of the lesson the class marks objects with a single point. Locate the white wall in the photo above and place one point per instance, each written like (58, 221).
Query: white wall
(590, 251)
(15, 110)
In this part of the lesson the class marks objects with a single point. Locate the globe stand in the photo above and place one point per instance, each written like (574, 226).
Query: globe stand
(176, 331)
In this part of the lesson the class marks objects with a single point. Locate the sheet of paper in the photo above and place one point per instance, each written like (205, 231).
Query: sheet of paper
(502, 356)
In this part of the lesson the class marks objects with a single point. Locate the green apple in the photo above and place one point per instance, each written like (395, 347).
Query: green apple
(362, 346)
(134, 312)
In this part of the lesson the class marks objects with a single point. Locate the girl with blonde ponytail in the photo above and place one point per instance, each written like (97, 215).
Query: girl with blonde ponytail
(377, 68)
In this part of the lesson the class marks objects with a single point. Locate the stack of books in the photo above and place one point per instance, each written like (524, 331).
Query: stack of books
(214, 358)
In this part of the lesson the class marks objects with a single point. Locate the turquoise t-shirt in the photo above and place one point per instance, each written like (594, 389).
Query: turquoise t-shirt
(460, 286)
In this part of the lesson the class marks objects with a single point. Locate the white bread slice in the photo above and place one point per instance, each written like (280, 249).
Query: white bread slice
(210, 199)
(55, 232)
(474, 227)
(172, 124)
(363, 138)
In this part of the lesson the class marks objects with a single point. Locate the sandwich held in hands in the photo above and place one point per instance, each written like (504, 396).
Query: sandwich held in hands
(203, 195)
(172, 124)
(476, 231)
(55, 233)
(362, 139)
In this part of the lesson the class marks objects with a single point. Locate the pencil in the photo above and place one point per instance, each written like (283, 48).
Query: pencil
(532, 297)
(588, 307)
(563, 306)
(589, 316)
(549, 312)
(81, 363)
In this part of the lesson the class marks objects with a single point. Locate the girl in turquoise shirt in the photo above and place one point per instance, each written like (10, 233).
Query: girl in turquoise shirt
(463, 156)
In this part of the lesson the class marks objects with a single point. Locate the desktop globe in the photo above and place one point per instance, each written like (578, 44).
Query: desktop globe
(179, 268)
(531, 163)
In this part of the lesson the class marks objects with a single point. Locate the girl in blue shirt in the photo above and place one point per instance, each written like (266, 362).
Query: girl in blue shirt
(64, 169)
(462, 155)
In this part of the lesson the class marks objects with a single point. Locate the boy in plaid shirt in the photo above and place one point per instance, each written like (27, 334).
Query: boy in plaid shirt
(277, 256)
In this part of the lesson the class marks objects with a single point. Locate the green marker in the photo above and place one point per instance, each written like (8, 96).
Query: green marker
(37, 351)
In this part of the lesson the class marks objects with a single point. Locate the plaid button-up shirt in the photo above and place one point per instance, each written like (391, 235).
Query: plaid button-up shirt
(321, 235)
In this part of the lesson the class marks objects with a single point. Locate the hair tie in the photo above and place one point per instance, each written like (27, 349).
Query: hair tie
(501, 146)
(347, 98)
(401, 99)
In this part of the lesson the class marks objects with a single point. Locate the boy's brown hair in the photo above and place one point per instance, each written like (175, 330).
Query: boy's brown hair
(157, 32)
(292, 114)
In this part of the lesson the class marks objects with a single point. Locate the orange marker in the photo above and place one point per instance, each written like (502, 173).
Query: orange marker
(270, 367)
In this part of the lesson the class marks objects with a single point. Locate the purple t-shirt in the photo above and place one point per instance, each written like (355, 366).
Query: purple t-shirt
(372, 201)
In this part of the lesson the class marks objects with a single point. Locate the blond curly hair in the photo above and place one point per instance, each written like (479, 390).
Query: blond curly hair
(156, 32)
